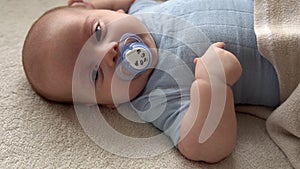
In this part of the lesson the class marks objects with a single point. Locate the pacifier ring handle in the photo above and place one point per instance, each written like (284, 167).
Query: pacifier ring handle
(135, 56)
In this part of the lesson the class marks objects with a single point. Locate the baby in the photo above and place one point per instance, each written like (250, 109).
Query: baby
(93, 29)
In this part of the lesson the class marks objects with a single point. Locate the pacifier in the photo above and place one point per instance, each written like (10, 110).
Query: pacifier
(135, 57)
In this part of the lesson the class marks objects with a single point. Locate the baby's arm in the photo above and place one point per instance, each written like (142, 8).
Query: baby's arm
(103, 4)
(222, 141)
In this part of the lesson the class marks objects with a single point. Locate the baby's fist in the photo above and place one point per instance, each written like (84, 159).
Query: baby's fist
(209, 65)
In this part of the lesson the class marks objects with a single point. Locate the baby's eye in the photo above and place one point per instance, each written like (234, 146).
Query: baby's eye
(95, 75)
(98, 32)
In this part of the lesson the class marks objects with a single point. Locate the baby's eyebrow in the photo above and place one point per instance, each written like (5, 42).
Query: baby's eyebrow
(87, 26)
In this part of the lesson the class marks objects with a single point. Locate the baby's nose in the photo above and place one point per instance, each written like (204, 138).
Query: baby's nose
(112, 54)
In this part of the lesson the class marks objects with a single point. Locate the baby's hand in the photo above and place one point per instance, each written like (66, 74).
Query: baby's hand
(115, 5)
(84, 3)
(231, 65)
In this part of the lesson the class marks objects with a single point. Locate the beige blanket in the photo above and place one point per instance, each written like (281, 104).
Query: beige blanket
(277, 26)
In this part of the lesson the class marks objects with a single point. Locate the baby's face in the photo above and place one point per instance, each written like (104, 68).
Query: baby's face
(89, 39)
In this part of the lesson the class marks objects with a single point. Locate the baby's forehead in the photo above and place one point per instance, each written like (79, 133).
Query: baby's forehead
(67, 9)
(55, 22)
(62, 33)
(61, 13)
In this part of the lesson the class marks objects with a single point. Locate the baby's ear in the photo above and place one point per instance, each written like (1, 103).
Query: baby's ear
(120, 11)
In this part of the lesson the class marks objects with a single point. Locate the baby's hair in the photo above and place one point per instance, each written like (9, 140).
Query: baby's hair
(27, 50)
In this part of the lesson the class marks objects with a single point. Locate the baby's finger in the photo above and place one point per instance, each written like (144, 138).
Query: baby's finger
(83, 4)
(71, 2)
(196, 60)
(86, 3)
(219, 45)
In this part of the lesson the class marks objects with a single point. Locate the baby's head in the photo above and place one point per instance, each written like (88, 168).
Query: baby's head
(57, 39)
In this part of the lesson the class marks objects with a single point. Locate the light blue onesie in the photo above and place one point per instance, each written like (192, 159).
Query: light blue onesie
(183, 30)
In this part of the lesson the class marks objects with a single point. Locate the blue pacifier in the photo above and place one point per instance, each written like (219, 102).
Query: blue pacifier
(135, 57)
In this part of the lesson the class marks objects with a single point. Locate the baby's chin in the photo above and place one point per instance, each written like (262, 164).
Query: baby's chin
(134, 90)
